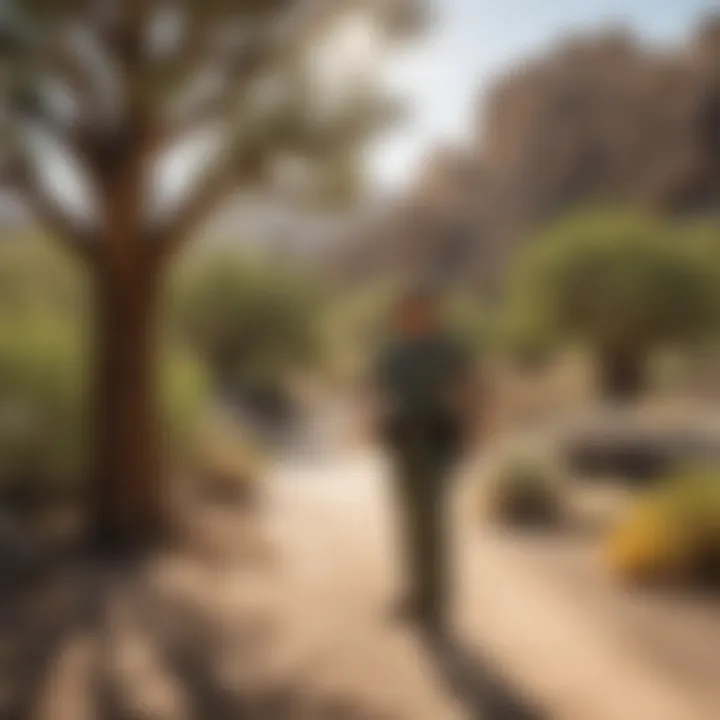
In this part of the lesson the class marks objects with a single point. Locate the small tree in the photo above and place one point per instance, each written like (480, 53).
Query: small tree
(104, 100)
(252, 322)
(619, 283)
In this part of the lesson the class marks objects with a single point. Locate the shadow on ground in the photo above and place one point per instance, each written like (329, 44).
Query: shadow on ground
(479, 687)
(184, 636)
(149, 655)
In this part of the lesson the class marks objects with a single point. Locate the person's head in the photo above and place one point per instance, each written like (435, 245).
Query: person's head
(417, 312)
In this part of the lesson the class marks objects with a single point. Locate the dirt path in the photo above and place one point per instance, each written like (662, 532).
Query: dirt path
(283, 615)
(334, 529)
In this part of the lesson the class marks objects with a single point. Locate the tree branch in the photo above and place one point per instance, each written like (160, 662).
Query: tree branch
(234, 84)
(77, 239)
(63, 58)
(195, 211)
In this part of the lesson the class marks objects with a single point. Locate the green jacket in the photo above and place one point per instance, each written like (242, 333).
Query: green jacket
(416, 379)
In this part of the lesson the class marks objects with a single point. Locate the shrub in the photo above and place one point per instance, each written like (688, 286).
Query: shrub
(671, 534)
(38, 278)
(42, 395)
(251, 323)
(184, 399)
(525, 489)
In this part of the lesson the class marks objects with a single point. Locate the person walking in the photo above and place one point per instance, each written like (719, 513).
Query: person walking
(423, 381)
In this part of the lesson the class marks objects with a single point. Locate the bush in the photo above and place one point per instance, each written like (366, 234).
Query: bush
(39, 278)
(525, 490)
(671, 534)
(184, 400)
(43, 434)
(251, 323)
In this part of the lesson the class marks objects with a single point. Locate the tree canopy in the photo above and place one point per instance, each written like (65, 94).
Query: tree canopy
(620, 283)
(90, 87)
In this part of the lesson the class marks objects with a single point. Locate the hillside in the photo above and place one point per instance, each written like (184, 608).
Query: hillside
(597, 119)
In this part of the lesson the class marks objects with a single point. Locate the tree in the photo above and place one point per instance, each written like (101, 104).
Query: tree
(102, 100)
(252, 321)
(621, 284)
(44, 379)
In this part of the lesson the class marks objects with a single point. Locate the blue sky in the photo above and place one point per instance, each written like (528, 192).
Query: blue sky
(473, 39)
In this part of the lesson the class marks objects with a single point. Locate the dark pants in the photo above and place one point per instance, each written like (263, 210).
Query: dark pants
(421, 481)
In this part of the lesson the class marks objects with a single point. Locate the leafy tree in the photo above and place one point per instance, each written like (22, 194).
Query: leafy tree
(250, 321)
(621, 284)
(101, 99)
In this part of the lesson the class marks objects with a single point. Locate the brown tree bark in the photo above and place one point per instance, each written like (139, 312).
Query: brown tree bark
(128, 459)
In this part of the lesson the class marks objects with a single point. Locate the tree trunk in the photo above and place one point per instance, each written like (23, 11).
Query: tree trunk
(623, 375)
(128, 461)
